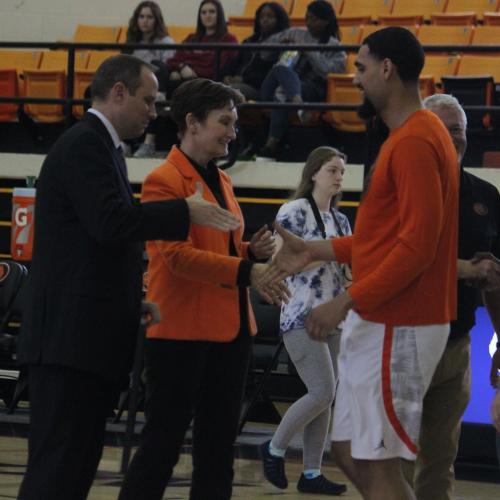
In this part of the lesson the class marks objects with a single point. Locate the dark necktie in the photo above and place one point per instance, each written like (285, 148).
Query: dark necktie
(121, 162)
(122, 166)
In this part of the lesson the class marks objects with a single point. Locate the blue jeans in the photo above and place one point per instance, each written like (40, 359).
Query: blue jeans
(292, 86)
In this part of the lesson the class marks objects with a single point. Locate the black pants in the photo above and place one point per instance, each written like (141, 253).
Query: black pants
(68, 410)
(184, 379)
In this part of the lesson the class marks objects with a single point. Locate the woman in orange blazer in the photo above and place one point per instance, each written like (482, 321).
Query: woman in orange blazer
(197, 357)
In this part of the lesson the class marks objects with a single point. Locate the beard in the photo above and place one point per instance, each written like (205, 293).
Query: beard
(366, 110)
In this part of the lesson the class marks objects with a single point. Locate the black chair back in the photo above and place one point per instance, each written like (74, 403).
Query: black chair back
(472, 91)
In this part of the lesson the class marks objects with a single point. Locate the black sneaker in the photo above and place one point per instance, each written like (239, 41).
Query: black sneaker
(321, 485)
(274, 467)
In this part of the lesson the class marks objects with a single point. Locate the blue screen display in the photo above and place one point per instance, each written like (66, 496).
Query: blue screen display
(483, 345)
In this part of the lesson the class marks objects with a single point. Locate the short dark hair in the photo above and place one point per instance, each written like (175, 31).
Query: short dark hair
(401, 47)
(121, 68)
(282, 20)
(199, 97)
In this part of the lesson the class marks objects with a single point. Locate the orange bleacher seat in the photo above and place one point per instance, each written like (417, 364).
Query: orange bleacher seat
(241, 32)
(351, 35)
(45, 84)
(474, 65)
(371, 8)
(180, 33)
(410, 20)
(83, 77)
(50, 81)
(122, 37)
(96, 57)
(350, 68)
(445, 35)
(491, 18)
(427, 85)
(251, 6)
(8, 88)
(454, 19)
(96, 34)
(19, 60)
(476, 6)
(299, 8)
(486, 35)
(355, 20)
(368, 30)
(341, 90)
(417, 7)
(438, 66)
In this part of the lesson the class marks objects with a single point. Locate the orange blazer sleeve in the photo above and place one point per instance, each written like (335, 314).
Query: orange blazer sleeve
(198, 258)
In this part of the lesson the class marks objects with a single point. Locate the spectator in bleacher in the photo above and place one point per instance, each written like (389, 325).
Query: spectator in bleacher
(147, 26)
(301, 76)
(247, 71)
(311, 215)
(211, 27)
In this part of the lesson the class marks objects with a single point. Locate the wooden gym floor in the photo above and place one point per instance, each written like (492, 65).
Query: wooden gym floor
(249, 482)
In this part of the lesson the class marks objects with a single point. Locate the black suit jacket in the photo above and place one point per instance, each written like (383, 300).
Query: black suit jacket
(86, 276)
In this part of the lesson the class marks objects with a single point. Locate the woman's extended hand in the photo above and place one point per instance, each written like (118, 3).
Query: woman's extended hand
(273, 293)
(262, 243)
(208, 214)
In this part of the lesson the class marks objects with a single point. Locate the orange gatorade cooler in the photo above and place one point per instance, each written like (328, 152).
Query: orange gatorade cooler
(23, 223)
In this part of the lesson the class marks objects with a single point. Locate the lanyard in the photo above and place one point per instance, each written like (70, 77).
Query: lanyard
(319, 220)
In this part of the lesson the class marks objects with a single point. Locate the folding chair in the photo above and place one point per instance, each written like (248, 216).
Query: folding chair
(13, 277)
(267, 348)
(133, 395)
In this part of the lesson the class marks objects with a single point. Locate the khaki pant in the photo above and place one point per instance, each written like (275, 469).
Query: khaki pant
(444, 405)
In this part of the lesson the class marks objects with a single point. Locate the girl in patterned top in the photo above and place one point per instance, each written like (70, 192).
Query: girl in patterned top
(311, 215)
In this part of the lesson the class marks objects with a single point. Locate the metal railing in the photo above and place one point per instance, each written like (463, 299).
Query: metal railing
(68, 101)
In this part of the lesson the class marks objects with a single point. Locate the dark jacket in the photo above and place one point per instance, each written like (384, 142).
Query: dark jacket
(86, 277)
(249, 64)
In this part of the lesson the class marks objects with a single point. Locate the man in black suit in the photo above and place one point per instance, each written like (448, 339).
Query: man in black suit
(79, 327)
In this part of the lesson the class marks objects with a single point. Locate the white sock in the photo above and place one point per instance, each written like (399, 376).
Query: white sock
(312, 473)
(276, 452)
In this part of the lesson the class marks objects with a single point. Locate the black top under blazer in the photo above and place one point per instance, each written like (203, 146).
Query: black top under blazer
(84, 295)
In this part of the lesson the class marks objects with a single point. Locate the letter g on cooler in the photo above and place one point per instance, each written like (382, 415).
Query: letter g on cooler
(22, 230)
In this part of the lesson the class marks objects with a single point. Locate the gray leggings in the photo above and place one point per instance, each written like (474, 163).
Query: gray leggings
(316, 364)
